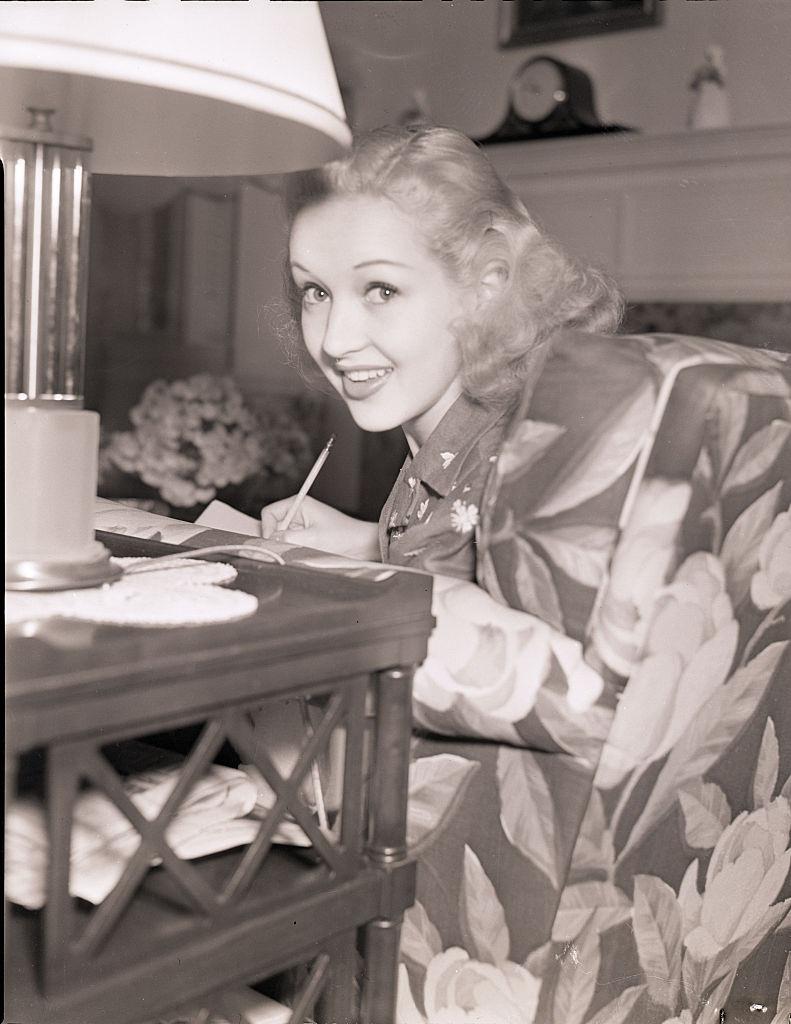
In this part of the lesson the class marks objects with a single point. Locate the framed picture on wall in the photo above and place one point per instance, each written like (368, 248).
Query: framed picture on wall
(524, 22)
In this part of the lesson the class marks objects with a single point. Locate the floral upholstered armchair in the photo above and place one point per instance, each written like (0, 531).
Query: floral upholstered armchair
(622, 729)
(600, 802)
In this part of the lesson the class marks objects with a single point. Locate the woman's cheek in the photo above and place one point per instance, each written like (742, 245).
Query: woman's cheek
(312, 338)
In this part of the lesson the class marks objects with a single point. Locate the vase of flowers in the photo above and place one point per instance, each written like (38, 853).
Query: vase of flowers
(196, 439)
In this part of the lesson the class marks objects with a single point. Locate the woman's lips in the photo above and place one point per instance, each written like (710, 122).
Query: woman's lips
(362, 382)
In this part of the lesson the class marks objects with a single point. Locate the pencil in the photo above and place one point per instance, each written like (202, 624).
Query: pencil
(315, 773)
(296, 504)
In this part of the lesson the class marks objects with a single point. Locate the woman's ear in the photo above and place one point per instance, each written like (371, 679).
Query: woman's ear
(492, 280)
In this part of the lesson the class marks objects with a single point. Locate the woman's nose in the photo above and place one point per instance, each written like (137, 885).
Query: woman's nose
(343, 332)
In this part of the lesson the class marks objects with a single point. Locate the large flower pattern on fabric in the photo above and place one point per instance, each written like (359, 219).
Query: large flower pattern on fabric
(645, 556)
(453, 987)
(489, 667)
(709, 644)
(689, 648)
(748, 866)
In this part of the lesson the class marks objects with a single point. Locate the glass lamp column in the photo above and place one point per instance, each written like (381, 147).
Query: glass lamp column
(52, 443)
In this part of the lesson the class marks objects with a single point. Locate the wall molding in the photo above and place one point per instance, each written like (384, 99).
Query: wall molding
(695, 216)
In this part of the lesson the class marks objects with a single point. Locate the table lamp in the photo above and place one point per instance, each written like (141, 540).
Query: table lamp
(162, 87)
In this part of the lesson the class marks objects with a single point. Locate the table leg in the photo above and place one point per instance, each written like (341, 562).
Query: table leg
(387, 839)
(382, 944)
(338, 1002)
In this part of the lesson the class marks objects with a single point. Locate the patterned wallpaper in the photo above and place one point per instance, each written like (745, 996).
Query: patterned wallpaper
(757, 324)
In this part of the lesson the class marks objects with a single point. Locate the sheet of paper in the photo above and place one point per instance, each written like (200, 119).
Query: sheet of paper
(220, 516)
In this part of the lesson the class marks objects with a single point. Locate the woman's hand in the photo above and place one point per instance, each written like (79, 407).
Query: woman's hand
(320, 526)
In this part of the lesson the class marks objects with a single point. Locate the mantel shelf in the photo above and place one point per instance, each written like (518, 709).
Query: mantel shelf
(633, 150)
(692, 216)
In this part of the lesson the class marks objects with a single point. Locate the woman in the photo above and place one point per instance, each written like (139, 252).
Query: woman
(427, 296)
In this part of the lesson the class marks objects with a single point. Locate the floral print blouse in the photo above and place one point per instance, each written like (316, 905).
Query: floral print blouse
(430, 518)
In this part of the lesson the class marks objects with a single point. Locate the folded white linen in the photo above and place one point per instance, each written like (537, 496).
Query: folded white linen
(231, 1006)
(211, 818)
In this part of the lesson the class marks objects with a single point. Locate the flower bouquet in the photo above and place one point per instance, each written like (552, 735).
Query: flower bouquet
(195, 439)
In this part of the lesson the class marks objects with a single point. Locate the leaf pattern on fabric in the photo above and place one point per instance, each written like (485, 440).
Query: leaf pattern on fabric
(482, 917)
(604, 459)
(693, 979)
(706, 737)
(582, 552)
(710, 1014)
(767, 768)
(657, 930)
(561, 485)
(706, 813)
(784, 994)
(530, 441)
(595, 851)
(581, 734)
(436, 788)
(690, 901)
(733, 407)
(420, 940)
(756, 456)
(602, 903)
(527, 811)
(740, 548)
(618, 1011)
(577, 980)
(535, 586)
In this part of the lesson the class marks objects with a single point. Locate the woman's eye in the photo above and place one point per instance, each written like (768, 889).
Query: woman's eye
(313, 293)
(380, 293)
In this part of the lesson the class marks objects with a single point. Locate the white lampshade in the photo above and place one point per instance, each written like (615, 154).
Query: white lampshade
(167, 88)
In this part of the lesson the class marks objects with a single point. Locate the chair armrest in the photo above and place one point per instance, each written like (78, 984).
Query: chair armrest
(496, 673)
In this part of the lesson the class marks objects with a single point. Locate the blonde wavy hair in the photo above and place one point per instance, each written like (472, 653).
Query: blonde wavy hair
(469, 218)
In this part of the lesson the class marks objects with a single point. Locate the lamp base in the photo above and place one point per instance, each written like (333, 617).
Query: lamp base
(27, 574)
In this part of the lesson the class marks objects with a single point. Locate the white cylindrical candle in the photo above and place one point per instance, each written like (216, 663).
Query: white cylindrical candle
(51, 474)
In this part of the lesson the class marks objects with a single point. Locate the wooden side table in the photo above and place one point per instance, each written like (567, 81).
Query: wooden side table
(170, 935)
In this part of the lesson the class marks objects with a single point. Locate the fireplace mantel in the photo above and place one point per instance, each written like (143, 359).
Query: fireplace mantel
(698, 216)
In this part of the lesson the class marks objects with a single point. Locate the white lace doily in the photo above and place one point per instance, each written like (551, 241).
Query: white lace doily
(153, 592)
(180, 572)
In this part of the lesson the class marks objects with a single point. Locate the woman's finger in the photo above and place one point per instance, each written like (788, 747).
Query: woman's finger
(269, 524)
(278, 508)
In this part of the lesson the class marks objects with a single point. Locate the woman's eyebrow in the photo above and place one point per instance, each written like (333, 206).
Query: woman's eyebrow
(298, 266)
(370, 263)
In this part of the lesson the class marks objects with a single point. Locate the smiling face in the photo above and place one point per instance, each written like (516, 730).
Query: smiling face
(377, 307)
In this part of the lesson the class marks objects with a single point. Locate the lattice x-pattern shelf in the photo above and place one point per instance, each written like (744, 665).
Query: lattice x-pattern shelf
(299, 797)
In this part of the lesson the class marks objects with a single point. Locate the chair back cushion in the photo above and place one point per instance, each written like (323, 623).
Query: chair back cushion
(613, 426)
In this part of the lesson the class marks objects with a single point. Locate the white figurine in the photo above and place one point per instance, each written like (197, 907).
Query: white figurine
(710, 107)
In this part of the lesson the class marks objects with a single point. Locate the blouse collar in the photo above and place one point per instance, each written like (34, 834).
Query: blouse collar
(437, 461)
